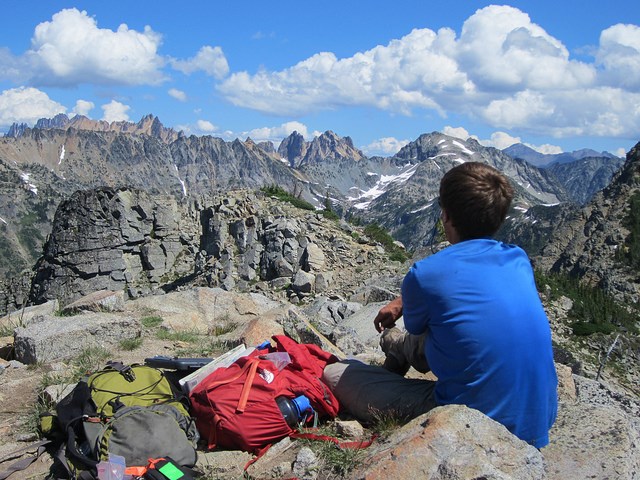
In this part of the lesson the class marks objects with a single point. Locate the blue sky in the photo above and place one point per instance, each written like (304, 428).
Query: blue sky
(555, 75)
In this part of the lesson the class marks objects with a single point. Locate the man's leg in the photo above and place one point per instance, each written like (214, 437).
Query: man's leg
(403, 351)
(370, 393)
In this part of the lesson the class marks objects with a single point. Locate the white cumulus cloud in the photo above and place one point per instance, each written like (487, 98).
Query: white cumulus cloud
(178, 94)
(384, 146)
(620, 152)
(499, 140)
(458, 132)
(210, 60)
(83, 107)
(277, 133)
(206, 126)
(619, 55)
(26, 105)
(115, 111)
(71, 49)
(502, 68)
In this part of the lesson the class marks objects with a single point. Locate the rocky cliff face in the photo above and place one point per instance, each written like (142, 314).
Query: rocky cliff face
(587, 242)
(129, 240)
(585, 177)
(115, 240)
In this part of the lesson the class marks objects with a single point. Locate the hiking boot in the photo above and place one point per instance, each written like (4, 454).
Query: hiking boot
(392, 344)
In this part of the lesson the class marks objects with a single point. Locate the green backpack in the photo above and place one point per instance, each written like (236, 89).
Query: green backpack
(131, 411)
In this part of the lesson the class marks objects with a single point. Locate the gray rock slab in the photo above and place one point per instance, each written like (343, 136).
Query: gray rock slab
(613, 444)
(48, 338)
(595, 436)
(361, 323)
(23, 317)
(453, 442)
(100, 301)
(204, 309)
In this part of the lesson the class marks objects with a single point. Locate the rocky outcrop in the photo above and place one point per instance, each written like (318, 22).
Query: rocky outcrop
(453, 442)
(327, 147)
(293, 148)
(115, 240)
(131, 241)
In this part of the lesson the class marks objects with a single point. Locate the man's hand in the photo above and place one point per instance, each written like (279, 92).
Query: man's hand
(388, 315)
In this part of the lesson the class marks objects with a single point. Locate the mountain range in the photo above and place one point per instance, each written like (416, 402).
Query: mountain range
(522, 151)
(43, 165)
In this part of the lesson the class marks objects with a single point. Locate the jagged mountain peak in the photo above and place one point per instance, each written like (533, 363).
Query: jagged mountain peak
(589, 242)
(267, 146)
(331, 147)
(520, 150)
(325, 147)
(293, 148)
(431, 144)
(148, 125)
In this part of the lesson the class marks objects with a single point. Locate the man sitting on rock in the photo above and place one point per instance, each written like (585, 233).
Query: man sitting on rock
(474, 319)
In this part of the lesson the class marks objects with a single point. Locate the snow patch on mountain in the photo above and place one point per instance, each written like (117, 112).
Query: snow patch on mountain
(381, 186)
(184, 187)
(26, 179)
(462, 147)
(61, 155)
(422, 208)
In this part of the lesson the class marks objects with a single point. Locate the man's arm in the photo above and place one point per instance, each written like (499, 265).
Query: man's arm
(388, 315)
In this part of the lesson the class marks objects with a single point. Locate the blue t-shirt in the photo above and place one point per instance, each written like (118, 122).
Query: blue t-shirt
(488, 337)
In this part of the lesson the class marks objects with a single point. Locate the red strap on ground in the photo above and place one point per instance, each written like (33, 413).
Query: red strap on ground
(336, 441)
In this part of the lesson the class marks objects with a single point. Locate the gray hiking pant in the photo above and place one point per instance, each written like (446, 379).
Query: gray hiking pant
(371, 393)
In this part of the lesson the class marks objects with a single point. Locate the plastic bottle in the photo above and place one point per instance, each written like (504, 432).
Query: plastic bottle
(293, 409)
(113, 469)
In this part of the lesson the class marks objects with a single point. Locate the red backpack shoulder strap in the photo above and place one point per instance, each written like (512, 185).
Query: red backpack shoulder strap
(305, 356)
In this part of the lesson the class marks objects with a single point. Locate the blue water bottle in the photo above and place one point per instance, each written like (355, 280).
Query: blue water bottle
(293, 409)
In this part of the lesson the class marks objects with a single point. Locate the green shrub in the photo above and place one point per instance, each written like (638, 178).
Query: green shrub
(330, 214)
(281, 194)
(333, 461)
(223, 328)
(593, 309)
(629, 254)
(151, 321)
(209, 347)
(89, 360)
(584, 328)
(184, 336)
(380, 235)
(130, 344)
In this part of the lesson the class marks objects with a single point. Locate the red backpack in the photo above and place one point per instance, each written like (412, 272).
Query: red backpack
(235, 407)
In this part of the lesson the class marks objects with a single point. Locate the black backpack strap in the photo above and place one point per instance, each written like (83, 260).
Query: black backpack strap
(74, 452)
(75, 405)
(24, 462)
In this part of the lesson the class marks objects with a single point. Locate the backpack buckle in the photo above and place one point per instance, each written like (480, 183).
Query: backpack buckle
(127, 373)
(125, 370)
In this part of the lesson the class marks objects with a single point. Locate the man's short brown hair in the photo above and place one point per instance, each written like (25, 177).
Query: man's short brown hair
(476, 197)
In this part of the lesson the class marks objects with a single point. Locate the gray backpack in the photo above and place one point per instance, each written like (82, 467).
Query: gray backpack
(131, 411)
